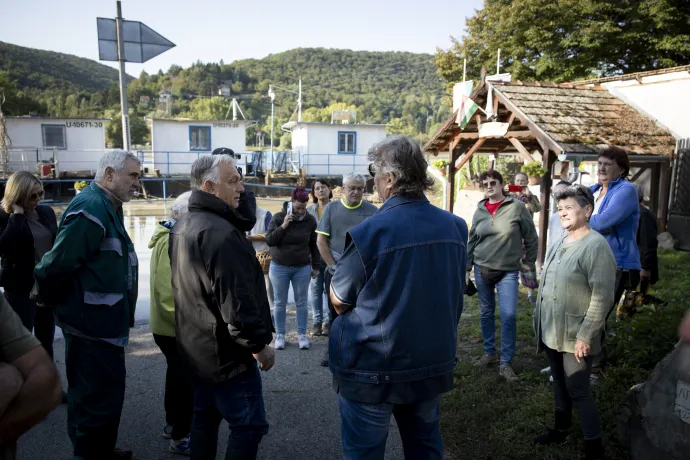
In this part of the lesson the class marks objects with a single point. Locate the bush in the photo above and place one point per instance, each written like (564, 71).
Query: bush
(534, 169)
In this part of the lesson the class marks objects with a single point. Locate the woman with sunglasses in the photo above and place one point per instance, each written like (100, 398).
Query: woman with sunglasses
(27, 232)
(575, 293)
(499, 227)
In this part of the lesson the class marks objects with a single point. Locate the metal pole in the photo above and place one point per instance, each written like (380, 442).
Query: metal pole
(271, 129)
(126, 144)
(299, 101)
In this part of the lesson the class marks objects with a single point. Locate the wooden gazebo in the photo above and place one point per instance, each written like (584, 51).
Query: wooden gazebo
(548, 122)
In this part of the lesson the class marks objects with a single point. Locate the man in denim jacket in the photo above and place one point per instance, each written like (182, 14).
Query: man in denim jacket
(399, 290)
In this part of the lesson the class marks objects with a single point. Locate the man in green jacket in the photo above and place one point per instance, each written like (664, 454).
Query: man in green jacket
(90, 276)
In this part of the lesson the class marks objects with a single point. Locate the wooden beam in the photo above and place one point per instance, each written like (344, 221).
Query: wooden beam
(637, 175)
(511, 119)
(545, 199)
(521, 149)
(654, 185)
(453, 154)
(469, 153)
(516, 134)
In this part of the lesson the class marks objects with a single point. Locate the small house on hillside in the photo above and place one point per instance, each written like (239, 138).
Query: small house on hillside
(550, 122)
(72, 144)
(176, 143)
(330, 149)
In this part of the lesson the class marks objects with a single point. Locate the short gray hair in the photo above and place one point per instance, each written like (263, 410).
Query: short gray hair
(115, 159)
(402, 157)
(180, 205)
(354, 176)
(206, 168)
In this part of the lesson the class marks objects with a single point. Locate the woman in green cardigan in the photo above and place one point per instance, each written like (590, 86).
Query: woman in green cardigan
(576, 290)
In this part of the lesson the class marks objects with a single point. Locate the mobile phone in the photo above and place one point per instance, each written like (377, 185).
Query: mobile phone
(514, 188)
(289, 208)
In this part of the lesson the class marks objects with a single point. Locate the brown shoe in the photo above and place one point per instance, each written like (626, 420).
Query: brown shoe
(316, 329)
(326, 329)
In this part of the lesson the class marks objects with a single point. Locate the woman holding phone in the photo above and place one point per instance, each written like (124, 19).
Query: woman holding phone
(295, 260)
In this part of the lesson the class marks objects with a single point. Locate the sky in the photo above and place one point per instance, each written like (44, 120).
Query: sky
(211, 30)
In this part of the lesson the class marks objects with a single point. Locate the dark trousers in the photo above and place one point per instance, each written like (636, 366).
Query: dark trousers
(240, 402)
(96, 392)
(179, 396)
(625, 279)
(571, 386)
(327, 286)
(40, 320)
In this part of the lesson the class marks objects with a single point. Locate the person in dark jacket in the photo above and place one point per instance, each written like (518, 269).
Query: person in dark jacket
(393, 346)
(294, 259)
(222, 318)
(647, 243)
(27, 232)
(91, 278)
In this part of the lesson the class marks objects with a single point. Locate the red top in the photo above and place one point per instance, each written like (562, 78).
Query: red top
(492, 207)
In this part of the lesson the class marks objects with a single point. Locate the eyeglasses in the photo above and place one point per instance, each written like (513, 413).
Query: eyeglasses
(37, 196)
(491, 183)
(372, 171)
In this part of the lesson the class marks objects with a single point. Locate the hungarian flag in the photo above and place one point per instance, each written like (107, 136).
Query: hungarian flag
(467, 109)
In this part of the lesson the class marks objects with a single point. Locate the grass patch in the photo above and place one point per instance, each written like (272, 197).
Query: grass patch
(485, 418)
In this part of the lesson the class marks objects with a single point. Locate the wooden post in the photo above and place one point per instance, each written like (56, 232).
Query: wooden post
(545, 199)
(450, 188)
(664, 195)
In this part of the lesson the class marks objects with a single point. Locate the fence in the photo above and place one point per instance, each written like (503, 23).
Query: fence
(84, 163)
(330, 164)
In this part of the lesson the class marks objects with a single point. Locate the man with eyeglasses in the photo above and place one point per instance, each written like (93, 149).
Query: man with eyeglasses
(338, 217)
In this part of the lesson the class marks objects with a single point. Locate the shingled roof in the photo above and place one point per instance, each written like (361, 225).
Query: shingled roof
(584, 120)
(579, 120)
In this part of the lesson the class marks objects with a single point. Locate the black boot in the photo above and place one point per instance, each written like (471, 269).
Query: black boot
(558, 434)
(594, 449)
(234, 454)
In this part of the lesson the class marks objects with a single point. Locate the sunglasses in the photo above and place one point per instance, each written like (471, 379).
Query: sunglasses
(37, 196)
(491, 183)
(372, 171)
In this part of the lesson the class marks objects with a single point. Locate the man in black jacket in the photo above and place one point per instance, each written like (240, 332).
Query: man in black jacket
(223, 319)
(647, 243)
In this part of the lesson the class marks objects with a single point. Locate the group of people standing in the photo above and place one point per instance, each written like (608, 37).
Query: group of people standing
(396, 319)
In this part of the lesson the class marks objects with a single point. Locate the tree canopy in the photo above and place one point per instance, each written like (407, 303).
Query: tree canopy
(568, 40)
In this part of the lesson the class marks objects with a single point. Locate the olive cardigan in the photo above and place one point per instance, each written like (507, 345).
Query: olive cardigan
(575, 294)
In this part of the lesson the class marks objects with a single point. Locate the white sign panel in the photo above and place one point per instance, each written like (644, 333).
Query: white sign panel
(141, 43)
(493, 129)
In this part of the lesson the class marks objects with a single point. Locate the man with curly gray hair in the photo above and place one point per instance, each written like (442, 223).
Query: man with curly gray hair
(398, 289)
(337, 218)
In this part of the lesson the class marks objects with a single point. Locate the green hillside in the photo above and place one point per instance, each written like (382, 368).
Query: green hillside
(397, 88)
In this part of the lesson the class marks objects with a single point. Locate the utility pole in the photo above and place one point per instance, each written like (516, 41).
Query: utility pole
(272, 95)
(299, 101)
(498, 62)
(126, 143)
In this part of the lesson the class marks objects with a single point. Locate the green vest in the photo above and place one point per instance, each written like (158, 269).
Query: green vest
(91, 274)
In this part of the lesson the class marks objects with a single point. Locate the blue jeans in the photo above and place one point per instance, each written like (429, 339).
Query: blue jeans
(281, 276)
(240, 402)
(317, 289)
(507, 289)
(365, 429)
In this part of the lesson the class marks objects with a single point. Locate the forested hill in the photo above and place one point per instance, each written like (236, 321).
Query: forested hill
(39, 69)
(398, 88)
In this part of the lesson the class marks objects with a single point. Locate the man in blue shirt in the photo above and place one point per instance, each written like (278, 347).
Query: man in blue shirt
(399, 290)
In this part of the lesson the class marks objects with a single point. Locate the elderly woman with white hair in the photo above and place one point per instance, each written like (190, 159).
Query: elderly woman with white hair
(179, 397)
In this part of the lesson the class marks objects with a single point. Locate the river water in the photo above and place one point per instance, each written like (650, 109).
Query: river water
(140, 222)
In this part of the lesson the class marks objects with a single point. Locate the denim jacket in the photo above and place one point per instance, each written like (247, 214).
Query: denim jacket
(404, 274)
(617, 220)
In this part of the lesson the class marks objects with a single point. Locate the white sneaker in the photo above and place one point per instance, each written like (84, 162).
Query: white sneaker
(303, 342)
(280, 342)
